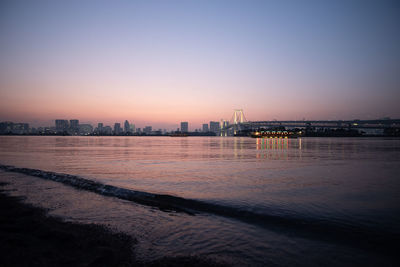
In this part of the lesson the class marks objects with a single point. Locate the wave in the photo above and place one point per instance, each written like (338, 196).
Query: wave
(329, 230)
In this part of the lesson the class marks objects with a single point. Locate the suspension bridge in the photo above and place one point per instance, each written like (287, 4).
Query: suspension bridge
(238, 122)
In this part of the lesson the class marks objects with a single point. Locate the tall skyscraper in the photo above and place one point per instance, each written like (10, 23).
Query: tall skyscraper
(127, 128)
(117, 128)
(214, 126)
(184, 127)
(205, 128)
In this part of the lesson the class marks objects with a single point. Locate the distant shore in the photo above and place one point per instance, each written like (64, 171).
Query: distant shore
(204, 135)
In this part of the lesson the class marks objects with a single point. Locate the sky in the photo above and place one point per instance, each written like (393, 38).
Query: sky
(162, 62)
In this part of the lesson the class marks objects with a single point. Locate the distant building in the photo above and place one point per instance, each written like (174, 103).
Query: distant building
(21, 128)
(6, 127)
(49, 130)
(214, 126)
(107, 130)
(224, 131)
(127, 127)
(85, 129)
(61, 126)
(117, 128)
(100, 128)
(184, 127)
(205, 128)
(74, 126)
(148, 129)
(224, 124)
(9, 127)
(132, 127)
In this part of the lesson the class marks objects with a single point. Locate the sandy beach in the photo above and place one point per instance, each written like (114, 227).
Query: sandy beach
(31, 238)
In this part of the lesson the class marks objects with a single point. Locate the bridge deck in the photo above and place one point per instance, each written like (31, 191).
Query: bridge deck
(371, 124)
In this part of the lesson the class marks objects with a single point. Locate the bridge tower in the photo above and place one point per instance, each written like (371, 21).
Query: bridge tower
(238, 116)
(238, 124)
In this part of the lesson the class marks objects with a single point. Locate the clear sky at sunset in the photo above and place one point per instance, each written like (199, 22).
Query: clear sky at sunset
(161, 62)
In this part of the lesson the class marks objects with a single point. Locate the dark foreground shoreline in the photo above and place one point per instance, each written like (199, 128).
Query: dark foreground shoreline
(31, 238)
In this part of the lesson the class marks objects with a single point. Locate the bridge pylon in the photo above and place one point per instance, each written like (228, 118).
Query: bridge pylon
(239, 122)
(238, 116)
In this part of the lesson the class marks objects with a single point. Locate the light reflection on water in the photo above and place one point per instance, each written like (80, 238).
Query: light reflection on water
(312, 176)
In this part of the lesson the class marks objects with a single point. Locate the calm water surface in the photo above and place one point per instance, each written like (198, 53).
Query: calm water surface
(342, 181)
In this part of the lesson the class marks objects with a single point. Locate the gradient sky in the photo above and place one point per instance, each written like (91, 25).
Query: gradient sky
(161, 62)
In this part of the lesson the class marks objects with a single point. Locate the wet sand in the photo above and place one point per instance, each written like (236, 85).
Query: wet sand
(31, 238)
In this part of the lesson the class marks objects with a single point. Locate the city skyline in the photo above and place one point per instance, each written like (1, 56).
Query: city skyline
(53, 123)
(75, 127)
(210, 125)
(162, 62)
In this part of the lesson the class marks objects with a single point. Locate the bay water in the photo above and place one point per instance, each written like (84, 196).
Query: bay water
(336, 200)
